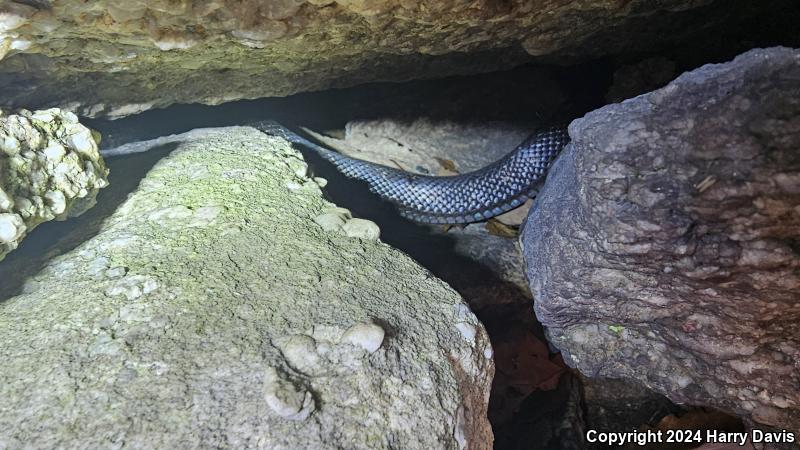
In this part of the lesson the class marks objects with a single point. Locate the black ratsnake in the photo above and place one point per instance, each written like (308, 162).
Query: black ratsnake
(465, 198)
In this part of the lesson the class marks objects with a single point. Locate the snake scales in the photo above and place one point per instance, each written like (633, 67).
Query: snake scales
(469, 197)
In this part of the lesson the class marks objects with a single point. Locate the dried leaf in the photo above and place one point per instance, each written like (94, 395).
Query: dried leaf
(447, 164)
(497, 228)
(526, 363)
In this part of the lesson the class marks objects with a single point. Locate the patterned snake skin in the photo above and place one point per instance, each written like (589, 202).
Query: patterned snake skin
(470, 197)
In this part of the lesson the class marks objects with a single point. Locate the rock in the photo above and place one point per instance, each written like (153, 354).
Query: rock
(12, 228)
(370, 336)
(210, 310)
(362, 229)
(330, 221)
(50, 168)
(336, 219)
(501, 255)
(424, 146)
(154, 53)
(663, 247)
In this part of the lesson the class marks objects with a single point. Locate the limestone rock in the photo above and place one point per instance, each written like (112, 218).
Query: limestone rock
(50, 168)
(663, 247)
(426, 147)
(118, 57)
(212, 311)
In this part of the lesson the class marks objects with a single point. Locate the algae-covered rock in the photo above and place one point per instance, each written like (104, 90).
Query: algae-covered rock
(50, 168)
(211, 310)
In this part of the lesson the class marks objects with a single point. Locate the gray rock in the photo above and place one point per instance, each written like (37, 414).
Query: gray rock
(362, 229)
(663, 247)
(211, 311)
(153, 53)
(501, 255)
(50, 168)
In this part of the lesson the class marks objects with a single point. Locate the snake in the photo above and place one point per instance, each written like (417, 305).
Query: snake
(460, 199)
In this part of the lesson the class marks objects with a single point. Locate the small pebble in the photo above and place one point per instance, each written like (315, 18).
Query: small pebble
(362, 229)
(11, 228)
(82, 141)
(301, 353)
(132, 287)
(365, 335)
(344, 213)
(286, 399)
(329, 221)
(55, 152)
(9, 145)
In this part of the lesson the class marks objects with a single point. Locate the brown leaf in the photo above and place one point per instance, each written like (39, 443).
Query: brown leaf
(447, 164)
(497, 228)
(526, 364)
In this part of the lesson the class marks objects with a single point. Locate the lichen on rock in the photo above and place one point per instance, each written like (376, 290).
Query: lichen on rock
(50, 168)
(210, 310)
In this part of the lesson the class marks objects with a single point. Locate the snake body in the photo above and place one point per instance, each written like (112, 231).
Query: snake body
(465, 198)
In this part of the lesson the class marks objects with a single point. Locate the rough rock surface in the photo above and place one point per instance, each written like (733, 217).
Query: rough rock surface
(50, 168)
(119, 57)
(663, 247)
(212, 311)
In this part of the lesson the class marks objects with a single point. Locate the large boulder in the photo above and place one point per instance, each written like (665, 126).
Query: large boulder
(663, 247)
(119, 57)
(226, 304)
(50, 168)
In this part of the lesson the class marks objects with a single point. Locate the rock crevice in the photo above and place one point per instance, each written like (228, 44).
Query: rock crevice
(663, 245)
